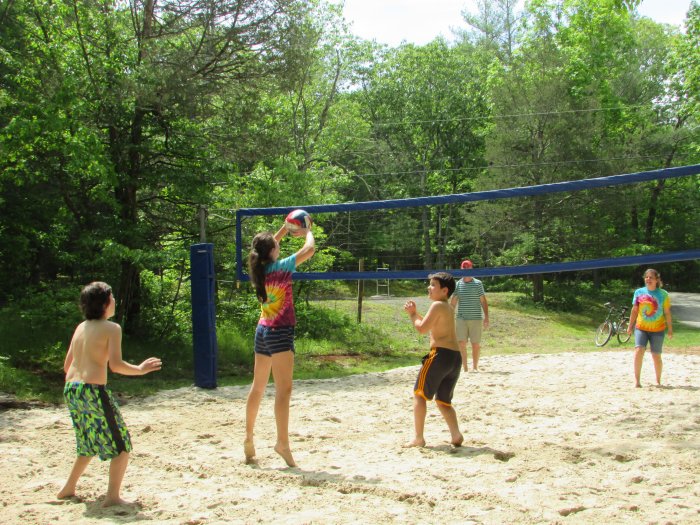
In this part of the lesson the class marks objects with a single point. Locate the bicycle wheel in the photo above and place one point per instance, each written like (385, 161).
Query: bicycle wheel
(603, 334)
(622, 334)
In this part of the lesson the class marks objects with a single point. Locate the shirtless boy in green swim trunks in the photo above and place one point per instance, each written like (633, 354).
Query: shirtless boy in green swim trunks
(99, 427)
(441, 367)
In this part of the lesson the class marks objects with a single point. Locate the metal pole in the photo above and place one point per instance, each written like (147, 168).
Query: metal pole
(360, 291)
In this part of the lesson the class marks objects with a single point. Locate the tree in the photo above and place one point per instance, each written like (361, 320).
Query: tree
(427, 110)
(495, 27)
(133, 88)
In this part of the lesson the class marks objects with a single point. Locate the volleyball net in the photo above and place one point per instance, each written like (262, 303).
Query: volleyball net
(414, 237)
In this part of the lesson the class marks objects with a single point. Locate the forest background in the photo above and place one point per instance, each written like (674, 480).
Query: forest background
(131, 130)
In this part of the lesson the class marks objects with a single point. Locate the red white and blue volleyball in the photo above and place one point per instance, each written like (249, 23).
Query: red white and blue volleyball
(298, 220)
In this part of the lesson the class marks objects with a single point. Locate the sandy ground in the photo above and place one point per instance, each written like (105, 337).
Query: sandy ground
(559, 438)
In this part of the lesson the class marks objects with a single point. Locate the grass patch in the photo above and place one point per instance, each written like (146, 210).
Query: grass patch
(329, 343)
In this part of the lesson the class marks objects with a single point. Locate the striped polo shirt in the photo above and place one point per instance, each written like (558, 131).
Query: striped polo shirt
(469, 295)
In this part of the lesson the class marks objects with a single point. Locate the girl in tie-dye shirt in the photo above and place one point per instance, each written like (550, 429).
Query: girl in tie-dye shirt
(274, 335)
(650, 318)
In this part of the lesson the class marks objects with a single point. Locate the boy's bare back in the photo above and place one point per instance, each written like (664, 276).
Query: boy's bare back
(442, 326)
(90, 350)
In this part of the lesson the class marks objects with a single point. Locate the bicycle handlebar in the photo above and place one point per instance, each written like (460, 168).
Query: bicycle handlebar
(612, 307)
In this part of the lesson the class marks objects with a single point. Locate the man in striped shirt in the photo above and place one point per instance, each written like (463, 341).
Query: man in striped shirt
(472, 312)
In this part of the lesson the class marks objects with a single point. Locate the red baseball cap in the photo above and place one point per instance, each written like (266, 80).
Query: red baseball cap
(466, 264)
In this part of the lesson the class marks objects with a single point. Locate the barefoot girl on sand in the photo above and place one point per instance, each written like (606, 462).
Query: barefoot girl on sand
(274, 336)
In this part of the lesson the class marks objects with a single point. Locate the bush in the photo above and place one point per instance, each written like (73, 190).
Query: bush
(565, 296)
(507, 284)
(235, 348)
(166, 307)
(320, 323)
(35, 330)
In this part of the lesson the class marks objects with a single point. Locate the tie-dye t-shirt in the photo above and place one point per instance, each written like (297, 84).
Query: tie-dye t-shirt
(651, 308)
(278, 310)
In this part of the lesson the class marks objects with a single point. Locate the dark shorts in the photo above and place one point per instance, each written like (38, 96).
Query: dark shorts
(99, 427)
(438, 375)
(273, 340)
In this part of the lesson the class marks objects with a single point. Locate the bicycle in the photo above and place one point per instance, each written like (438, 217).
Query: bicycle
(615, 323)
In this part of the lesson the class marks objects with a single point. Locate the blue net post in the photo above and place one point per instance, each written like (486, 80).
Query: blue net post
(203, 281)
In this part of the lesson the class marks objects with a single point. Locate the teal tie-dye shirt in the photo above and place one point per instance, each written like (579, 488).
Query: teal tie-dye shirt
(651, 305)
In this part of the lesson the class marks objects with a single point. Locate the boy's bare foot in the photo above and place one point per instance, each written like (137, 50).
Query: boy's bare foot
(286, 454)
(457, 442)
(111, 502)
(638, 385)
(415, 443)
(249, 451)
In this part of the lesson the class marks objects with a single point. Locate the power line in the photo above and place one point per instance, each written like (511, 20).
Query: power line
(491, 166)
(511, 115)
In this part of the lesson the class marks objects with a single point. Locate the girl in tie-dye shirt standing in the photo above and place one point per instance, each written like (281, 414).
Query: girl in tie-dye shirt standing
(650, 318)
(274, 335)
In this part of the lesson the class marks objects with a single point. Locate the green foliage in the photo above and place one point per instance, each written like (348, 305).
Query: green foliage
(115, 133)
(235, 348)
(35, 331)
(572, 295)
(166, 302)
(240, 308)
(320, 323)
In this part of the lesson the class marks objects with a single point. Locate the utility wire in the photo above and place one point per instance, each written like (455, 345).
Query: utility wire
(490, 166)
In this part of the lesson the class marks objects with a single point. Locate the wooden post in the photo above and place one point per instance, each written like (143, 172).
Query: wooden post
(360, 292)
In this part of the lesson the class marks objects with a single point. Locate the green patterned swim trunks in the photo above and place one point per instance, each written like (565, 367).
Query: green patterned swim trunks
(99, 427)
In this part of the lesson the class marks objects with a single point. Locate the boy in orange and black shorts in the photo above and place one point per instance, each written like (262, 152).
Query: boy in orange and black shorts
(441, 367)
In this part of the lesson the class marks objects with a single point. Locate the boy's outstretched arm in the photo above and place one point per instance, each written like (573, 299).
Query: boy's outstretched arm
(118, 365)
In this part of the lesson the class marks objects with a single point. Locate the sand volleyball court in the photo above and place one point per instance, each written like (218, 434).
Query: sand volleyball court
(562, 438)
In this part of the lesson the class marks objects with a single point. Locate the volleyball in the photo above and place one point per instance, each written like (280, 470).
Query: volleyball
(297, 220)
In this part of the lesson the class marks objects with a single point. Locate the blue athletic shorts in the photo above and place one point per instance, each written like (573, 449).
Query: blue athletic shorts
(655, 340)
(273, 339)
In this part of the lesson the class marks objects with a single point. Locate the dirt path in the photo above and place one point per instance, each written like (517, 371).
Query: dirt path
(685, 308)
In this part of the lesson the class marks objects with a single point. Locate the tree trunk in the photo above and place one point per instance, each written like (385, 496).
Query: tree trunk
(540, 220)
(439, 238)
(596, 279)
(130, 283)
(537, 288)
(656, 192)
(427, 246)
(653, 204)
(425, 220)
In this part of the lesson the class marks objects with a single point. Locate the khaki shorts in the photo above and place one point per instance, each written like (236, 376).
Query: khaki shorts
(469, 330)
